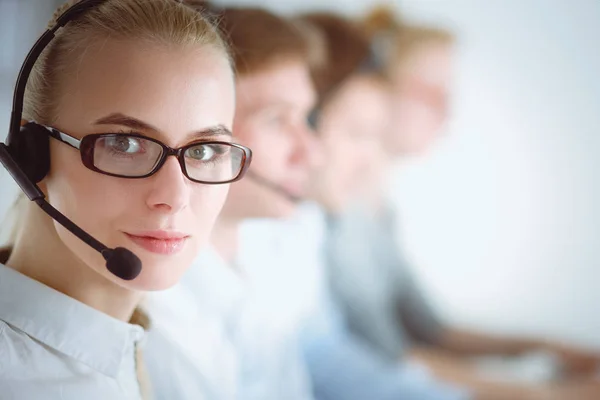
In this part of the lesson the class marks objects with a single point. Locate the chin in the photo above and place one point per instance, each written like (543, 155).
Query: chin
(156, 278)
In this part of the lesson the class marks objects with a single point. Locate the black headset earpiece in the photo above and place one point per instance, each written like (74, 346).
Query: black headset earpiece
(31, 151)
(313, 117)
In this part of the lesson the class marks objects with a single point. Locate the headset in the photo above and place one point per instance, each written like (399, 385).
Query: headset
(26, 154)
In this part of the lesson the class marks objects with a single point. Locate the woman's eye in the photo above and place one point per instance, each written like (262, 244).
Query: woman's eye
(202, 152)
(124, 144)
(276, 119)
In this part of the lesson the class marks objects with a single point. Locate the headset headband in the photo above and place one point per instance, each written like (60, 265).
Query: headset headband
(70, 14)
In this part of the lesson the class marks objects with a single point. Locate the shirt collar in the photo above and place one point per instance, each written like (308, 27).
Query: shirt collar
(65, 324)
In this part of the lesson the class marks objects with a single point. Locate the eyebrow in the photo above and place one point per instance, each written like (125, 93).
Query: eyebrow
(138, 125)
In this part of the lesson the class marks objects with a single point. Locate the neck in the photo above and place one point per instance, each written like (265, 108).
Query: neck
(40, 254)
(225, 238)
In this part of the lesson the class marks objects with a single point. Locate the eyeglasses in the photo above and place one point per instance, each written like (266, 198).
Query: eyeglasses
(136, 156)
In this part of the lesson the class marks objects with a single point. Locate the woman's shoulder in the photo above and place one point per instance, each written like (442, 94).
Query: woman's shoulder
(24, 365)
(14, 350)
(29, 369)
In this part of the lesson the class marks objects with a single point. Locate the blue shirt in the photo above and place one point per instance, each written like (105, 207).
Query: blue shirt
(373, 285)
(55, 347)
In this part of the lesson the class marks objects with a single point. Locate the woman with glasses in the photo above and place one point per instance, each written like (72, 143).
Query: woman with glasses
(134, 102)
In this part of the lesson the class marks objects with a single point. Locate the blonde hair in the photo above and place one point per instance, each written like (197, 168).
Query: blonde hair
(166, 22)
(402, 39)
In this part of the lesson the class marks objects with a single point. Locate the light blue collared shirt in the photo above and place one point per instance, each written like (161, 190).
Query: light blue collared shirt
(55, 347)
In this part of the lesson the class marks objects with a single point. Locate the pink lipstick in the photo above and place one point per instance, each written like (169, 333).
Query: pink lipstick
(159, 242)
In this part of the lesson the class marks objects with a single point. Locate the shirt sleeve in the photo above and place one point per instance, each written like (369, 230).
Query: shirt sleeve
(416, 313)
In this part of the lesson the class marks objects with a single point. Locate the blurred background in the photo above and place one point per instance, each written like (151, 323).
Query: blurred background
(501, 218)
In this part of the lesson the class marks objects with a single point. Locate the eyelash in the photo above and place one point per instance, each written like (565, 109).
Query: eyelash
(128, 132)
(123, 132)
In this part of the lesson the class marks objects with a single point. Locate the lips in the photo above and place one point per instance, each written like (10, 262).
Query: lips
(159, 242)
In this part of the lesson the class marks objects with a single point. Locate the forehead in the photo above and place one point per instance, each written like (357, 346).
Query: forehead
(282, 83)
(172, 88)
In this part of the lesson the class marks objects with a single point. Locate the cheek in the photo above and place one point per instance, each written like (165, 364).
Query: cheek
(341, 156)
(270, 153)
(370, 153)
(84, 195)
(414, 118)
(246, 196)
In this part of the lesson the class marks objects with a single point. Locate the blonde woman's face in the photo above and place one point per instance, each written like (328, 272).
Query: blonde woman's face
(421, 87)
(173, 95)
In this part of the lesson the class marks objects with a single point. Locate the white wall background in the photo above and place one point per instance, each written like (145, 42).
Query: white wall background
(501, 219)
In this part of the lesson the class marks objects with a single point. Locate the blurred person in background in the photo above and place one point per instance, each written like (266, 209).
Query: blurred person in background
(244, 356)
(139, 162)
(352, 120)
(381, 301)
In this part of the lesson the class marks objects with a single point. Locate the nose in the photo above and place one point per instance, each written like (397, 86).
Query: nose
(170, 191)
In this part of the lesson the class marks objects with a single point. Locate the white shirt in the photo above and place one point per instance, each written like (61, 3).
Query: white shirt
(55, 347)
(293, 271)
(188, 354)
(270, 362)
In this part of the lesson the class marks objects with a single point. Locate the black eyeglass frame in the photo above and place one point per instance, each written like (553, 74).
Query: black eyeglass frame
(86, 146)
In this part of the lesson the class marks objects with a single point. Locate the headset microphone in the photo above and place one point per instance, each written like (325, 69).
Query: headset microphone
(273, 186)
